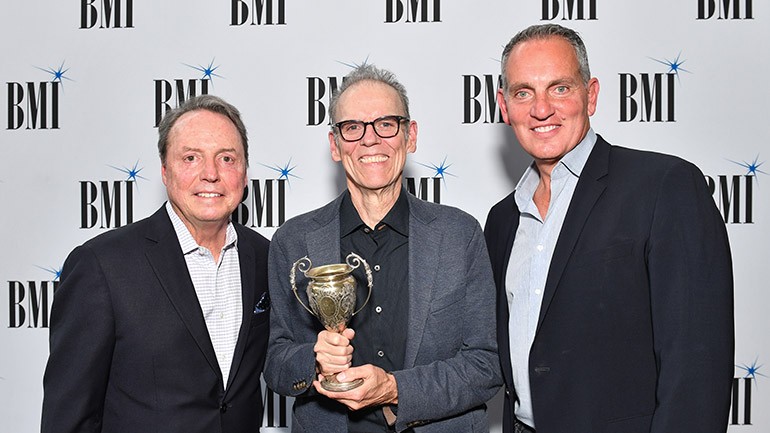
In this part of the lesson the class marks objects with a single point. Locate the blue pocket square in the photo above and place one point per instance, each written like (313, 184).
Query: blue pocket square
(263, 304)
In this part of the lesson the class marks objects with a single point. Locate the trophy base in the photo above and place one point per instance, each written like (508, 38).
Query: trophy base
(330, 383)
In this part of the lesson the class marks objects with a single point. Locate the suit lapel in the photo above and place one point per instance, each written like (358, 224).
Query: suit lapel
(509, 223)
(165, 257)
(424, 251)
(587, 192)
(246, 258)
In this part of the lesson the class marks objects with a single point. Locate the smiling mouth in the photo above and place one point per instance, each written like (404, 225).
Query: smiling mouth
(374, 158)
(547, 128)
(208, 194)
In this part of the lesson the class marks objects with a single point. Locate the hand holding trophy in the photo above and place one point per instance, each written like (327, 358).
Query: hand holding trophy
(331, 293)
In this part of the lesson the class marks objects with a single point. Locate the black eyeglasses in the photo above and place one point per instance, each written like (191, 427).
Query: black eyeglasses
(384, 127)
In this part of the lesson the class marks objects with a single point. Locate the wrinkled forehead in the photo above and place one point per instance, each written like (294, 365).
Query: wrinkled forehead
(369, 96)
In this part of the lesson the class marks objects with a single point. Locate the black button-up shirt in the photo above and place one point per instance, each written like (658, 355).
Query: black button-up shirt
(381, 327)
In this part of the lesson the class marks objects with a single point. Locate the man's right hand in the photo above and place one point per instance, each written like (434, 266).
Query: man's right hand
(333, 352)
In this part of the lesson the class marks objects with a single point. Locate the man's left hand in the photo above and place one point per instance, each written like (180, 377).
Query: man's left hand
(379, 388)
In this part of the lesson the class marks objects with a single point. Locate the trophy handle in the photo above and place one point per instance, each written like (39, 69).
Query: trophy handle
(303, 265)
(354, 260)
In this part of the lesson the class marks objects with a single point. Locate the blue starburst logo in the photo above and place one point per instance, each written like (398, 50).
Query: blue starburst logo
(355, 65)
(54, 271)
(752, 370)
(284, 171)
(131, 173)
(674, 66)
(57, 74)
(207, 71)
(440, 169)
(752, 168)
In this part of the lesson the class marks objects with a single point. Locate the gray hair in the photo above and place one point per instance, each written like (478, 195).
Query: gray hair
(211, 103)
(368, 73)
(545, 31)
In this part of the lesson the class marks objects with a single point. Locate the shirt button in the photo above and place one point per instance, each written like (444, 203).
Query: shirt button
(538, 291)
(366, 230)
(378, 309)
(540, 248)
(377, 268)
(380, 353)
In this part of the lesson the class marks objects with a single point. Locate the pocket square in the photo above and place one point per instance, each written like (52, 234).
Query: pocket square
(263, 304)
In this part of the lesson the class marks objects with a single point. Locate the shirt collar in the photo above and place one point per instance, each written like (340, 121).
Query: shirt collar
(397, 217)
(186, 240)
(574, 162)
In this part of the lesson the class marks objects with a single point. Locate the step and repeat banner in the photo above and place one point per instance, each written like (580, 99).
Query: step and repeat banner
(85, 83)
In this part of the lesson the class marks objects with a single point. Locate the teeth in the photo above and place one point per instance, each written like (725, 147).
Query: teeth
(208, 194)
(545, 128)
(368, 159)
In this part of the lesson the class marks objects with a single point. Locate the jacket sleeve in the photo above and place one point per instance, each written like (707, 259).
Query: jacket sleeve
(452, 386)
(691, 291)
(290, 364)
(82, 338)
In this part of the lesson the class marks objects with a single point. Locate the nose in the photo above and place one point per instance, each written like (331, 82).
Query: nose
(370, 137)
(209, 170)
(542, 108)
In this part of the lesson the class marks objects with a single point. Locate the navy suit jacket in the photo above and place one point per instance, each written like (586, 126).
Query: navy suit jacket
(635, 332)
(130, 351)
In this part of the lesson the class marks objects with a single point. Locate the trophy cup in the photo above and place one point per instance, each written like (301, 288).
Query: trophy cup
(331, 293)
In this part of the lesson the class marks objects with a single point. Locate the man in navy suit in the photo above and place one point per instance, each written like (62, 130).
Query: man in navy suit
(162, 325)
(613, 269)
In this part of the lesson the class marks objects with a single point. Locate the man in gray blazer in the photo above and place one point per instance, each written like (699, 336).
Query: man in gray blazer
(424, 344)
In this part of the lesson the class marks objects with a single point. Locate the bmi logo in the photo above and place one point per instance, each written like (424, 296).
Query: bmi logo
(108, 204)
(725, 9)
(179, 90)
(276, 414)
(734, 193)
(319, 93)
(429, 188)
(257, 12)
(264, 200)
(35, 105)
(108, 13)
(29, 302)
(650, 97)
(569, 10)
(742, 400)
(480, 99)
(413, 11)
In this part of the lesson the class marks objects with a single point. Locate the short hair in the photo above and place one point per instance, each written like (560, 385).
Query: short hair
(211, 103)
(545, 31)
(367, 72)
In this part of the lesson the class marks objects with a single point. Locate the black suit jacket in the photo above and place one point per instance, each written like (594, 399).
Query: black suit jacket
(130, 351)
(635, 332)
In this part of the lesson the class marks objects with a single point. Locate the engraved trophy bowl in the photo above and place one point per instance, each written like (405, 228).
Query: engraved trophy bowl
(331, 293)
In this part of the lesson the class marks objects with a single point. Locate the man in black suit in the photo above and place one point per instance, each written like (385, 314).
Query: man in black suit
(162, 325)
(613, 269)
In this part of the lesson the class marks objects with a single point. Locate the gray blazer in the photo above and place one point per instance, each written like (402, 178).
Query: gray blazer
(450, 366)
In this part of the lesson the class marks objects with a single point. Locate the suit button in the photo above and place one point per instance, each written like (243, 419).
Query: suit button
(223, 408)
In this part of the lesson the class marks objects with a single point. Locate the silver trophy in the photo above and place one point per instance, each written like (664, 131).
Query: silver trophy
(331, 293)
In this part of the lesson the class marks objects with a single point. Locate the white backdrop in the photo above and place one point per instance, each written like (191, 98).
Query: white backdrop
(82, 81)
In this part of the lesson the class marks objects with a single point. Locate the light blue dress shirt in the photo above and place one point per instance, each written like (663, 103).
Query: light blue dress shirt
(531, 257)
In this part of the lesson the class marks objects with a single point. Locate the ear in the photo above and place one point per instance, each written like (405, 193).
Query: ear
(334, 148)
(411, 144)
(503, 106)
(593, 95)
(163, 173)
